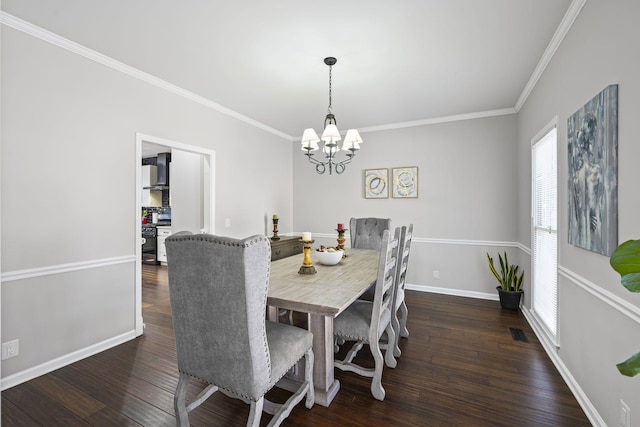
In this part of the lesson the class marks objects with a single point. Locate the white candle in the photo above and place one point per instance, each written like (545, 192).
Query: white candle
(306, 236)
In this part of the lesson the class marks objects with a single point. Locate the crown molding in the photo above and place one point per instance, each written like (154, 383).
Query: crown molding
(565, 25)
(71, 46)
(437, 120)
(42, 34)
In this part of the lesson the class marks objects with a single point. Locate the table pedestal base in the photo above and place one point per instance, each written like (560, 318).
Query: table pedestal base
(323, 397)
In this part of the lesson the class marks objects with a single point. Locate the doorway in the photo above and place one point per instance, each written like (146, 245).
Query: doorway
(147, 145)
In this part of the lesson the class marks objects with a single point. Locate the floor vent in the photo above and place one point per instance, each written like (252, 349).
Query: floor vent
(518, 335)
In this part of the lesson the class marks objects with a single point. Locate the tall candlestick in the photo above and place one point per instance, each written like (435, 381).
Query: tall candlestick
(341, 240)
(275, 229)
(307, 264)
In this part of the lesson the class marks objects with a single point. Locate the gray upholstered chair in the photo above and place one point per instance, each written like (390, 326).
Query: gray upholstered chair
(366, 233)
(400, 322)
(218, 289)
(365, 321)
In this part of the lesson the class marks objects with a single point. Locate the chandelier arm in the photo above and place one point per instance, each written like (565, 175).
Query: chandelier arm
(312, 159)
(320, 168)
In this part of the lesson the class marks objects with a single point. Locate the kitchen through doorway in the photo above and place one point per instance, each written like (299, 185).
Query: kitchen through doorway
(189, 197)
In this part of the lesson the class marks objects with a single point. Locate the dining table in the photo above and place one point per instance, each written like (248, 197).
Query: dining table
(322, 296)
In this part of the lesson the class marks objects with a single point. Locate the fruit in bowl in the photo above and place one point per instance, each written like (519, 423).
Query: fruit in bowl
(328, 256)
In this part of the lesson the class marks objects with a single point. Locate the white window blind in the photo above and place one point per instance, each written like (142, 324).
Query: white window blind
(545, 232)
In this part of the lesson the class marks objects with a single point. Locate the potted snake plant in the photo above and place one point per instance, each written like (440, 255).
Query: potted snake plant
(510, 283)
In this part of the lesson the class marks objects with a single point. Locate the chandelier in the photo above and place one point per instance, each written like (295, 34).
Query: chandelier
(330, 137)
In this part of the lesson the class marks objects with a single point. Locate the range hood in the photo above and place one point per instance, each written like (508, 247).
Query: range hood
(162, 165)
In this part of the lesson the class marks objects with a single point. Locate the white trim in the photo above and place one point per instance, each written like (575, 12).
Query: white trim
(347, 238)
(565, 25)
(549, 347)
(553, 124)
(209, 209)
(438, 120)
(64, 268)
(465, 242)
(62, 361)
(138, 322)
(455, 292)
(92, 55)
(71, 46)
(542, 135)
(609, 298)
(524, 249)
(542, 331)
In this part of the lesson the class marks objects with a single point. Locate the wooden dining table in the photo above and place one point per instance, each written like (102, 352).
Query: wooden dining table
(323, 296)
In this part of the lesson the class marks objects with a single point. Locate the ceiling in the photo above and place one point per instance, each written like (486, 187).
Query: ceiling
(398, 62)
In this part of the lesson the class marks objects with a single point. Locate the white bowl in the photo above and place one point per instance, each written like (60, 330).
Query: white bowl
(329, 258)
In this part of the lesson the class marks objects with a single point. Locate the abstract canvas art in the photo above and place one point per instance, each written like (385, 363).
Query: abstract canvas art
(593, 173)
(376, 183)
(405, 182)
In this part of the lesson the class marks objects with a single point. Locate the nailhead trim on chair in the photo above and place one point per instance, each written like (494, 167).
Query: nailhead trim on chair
(207, 238)
(202, 237)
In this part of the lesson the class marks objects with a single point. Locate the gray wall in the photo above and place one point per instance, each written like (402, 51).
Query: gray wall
(68, 194)
(598, 318)
(466, 205)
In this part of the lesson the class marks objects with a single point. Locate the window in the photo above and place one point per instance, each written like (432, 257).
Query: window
(545, 230)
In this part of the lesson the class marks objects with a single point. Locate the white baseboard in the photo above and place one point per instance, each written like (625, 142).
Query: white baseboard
(67, 359)
(455, 292)
(550, 348)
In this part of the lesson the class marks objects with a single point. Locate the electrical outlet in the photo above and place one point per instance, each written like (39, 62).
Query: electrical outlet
(436, 274)
(227, 223)
(625, 414)
(10, 349)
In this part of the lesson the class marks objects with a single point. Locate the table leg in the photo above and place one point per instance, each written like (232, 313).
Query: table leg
(325, 384)
(272, 313)
(324, 381)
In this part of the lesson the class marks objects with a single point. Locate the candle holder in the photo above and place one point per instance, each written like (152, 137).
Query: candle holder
(341, 242)
(275, 230)
(307, 265)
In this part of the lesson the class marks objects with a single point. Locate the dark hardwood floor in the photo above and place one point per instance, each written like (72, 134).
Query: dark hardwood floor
(459, 367)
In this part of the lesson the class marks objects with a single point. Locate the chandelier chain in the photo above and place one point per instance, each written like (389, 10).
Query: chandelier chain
(330, 68)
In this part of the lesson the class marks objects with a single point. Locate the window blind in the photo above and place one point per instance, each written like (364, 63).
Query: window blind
(545, 232)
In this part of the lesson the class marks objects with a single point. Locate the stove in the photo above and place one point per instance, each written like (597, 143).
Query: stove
(150, 233)
(150, 245)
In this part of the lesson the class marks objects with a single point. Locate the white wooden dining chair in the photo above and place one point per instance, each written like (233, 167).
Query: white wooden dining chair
(366, 233)
(218, 293)
(399, 321)
(365, 321)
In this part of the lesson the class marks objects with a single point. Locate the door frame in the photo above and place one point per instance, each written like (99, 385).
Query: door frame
(209, 157)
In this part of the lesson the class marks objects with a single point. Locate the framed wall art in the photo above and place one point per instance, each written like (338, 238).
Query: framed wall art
(376, 183)
(405, 182)
(592, 135)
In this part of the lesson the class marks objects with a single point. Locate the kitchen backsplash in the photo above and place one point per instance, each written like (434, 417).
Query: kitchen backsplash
(152, 209)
